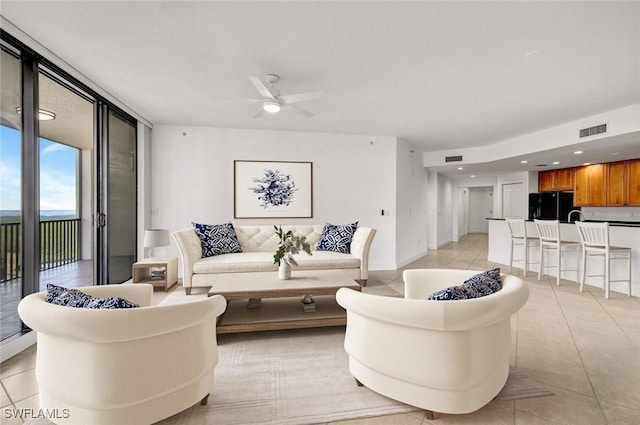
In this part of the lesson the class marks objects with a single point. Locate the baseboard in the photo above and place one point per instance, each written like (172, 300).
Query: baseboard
(17, 345)
(411, 259)
(443, 244)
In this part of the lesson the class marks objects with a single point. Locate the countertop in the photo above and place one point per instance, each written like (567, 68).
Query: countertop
(616, 223)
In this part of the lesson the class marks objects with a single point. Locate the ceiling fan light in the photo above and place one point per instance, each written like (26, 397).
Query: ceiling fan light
(271, 106)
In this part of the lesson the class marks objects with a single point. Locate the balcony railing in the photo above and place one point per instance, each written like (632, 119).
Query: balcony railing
(59, 245)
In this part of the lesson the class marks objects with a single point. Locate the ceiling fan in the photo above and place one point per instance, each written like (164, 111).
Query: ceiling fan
(273, 101)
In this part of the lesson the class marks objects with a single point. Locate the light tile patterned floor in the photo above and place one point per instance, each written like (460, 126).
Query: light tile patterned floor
(580, 346)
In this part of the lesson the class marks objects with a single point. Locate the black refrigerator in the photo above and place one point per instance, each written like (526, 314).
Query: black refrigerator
(551, 206)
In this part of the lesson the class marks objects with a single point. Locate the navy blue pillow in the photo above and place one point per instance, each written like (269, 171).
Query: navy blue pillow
(217, 239)
(478, 285)
(110, 303)
(70, 297)
(337, 238)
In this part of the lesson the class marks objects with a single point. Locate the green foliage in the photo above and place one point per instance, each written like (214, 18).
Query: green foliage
(290, 245)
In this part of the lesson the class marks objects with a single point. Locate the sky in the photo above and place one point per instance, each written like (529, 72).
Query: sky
(58, 179)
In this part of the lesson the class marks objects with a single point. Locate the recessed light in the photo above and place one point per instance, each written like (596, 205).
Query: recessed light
(586, 163)
(472, 175)
(578, 152)
(460, 168)
(523, 162)
(615, 153)
(555, 163)
(43, 115)
(533, 53)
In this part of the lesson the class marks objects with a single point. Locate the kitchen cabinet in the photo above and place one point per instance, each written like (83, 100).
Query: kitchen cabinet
(633, 182)
(590, 186)
(564, 179)
(552, 180)
(617, 185)
(547, 181)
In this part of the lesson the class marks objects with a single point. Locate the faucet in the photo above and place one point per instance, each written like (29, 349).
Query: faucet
(574, 211)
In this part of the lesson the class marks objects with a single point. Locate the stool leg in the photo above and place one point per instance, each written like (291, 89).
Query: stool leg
(541, 260)
(511, 256)
(607, 278)
(526, 258)
(558, 262)
(629, 270)
(584, 269)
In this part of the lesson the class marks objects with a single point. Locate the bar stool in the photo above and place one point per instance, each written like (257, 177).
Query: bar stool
(518, 229)
(549, 231)
(595, 243)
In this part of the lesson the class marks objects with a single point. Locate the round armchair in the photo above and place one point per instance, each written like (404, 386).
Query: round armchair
(441, 356)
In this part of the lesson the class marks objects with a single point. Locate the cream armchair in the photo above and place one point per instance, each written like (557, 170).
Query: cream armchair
(126, 366)
(441, 356)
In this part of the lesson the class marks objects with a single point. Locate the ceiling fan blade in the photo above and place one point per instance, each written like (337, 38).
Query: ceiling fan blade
(241, 99)
(259, 112)
(297, 110)
(301, 97)
(262, 89)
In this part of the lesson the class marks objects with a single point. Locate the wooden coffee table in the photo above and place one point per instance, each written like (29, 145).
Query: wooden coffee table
(281, 306)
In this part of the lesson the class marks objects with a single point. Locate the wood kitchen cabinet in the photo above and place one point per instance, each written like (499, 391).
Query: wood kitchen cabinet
(547, 181)
(564, 178)
(590, 186)
(617, 186)
(633, 182)
(550, 181)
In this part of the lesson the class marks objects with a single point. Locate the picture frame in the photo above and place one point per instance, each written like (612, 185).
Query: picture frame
(272, 189)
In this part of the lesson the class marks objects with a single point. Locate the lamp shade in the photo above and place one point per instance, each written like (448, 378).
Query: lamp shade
(156, 237)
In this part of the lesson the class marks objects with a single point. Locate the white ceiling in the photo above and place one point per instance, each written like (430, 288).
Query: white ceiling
(439, 75)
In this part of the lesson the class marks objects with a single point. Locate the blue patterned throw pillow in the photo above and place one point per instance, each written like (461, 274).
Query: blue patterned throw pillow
(478, 285)
(110, 303)
(337, 238)
(217, 239)
(70, 297)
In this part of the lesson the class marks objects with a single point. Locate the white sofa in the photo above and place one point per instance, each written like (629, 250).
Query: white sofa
(259, 243)
(441, 356)
(123, 366)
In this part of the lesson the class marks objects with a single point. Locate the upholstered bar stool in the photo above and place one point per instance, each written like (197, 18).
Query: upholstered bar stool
(595, 243)
(549, 232)
(518, 229)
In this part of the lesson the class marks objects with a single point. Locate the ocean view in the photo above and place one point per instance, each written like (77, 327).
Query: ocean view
(12, 216)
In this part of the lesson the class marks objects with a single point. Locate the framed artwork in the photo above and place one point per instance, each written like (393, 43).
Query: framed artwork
(273, 189)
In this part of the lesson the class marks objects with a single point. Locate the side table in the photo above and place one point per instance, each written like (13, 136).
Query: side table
(159, 272)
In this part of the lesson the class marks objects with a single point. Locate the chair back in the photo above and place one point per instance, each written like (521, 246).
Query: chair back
(517, 227)
(549, 230)
(594, 235)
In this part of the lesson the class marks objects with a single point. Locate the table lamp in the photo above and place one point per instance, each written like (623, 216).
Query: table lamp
(155, 238)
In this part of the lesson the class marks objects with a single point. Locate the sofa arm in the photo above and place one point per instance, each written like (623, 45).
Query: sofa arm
(360, 246)
(190, 249)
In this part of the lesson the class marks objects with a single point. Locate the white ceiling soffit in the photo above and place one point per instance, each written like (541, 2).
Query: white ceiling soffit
(441, 75)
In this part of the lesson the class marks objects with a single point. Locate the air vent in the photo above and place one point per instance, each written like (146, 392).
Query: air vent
(542, 165)
(453, 158)
(591, 131)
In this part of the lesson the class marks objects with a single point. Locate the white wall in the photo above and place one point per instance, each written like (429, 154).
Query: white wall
(440, 212)
(354, 178)
(411, 205)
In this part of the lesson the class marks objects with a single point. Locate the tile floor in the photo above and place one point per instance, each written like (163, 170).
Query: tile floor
(580, 346)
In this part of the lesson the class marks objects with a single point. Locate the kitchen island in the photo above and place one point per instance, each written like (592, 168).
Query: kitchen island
(625, 234)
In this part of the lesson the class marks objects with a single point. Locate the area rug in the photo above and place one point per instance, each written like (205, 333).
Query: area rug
(297, 377)
(521, 386)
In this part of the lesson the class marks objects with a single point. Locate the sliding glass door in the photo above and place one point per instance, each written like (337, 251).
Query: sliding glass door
(68, 204)
(117, 201)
